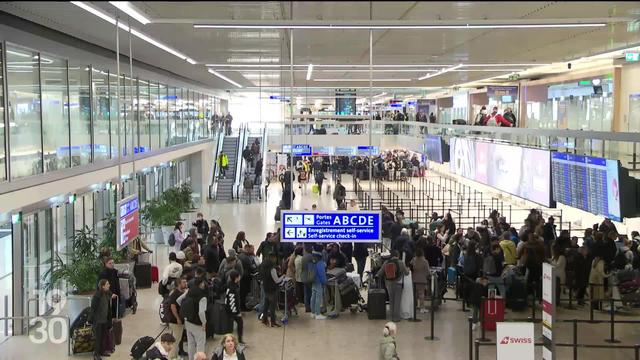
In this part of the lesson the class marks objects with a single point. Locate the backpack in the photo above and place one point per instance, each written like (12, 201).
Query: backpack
(391, 271)
(277, 216)
(470, 267)
(165, 313)
(172, 239)
(141, 346)
(309, 273)
(489, 266)
(620, 261)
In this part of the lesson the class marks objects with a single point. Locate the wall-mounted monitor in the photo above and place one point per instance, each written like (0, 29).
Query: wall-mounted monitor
(588, 183)
(524, 172)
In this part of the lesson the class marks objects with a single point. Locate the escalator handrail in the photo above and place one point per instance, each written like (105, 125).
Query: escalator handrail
(213, 186)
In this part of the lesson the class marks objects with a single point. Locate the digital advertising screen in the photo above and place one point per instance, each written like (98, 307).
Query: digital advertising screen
(128, 220)
(433, 145)
(519, 171)
(588, 183)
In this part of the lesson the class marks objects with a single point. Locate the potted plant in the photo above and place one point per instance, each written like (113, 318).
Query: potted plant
(161, 216)
(79, 272)
(110, 238)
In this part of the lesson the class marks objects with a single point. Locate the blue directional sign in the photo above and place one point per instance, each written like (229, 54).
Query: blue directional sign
(368, 150)
(301, 150)
(331, 226)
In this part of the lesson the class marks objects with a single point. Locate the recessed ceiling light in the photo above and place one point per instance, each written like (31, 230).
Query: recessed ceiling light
(224, 78)
(128, 9)
(309, 71)
(390, 26)
(134, 32)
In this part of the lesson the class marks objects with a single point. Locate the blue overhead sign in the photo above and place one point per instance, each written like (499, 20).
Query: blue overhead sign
(301, 150)
(331, 226)
(368, 150)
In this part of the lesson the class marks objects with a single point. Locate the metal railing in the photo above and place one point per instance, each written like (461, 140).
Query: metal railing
(622, 146)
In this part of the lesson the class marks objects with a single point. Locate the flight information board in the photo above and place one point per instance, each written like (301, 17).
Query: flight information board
(331, 226)
(587, 183)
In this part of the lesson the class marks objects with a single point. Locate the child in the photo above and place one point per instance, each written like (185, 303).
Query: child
(419, 276)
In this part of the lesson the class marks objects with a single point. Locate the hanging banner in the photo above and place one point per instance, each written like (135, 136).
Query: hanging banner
(548, 310)
(515, 341)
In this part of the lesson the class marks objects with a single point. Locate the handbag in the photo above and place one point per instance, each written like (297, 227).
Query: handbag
(82, 339)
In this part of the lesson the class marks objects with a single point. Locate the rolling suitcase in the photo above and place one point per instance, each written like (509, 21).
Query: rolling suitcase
(142, 272)
(116, 328)
(222, 323)
(155, 273)
(125, 290)
(492, 312)
(376, 304)
(516, 297)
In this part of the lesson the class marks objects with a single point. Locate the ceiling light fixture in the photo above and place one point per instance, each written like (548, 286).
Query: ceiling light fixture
(381, 94)
(309, 71)
(134, 32)
(346, 26)
(128, 9)
(359, 80)
(224, 78)
(443, 71)
(366, 66)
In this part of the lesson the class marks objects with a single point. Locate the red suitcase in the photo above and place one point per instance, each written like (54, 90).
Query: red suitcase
(492, 312)
(154, 274)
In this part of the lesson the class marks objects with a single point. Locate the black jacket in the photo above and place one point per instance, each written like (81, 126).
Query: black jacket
(203, 227)
(112, 276)
(211, 258)
(101, 308)
(268, 283)
(218, 355)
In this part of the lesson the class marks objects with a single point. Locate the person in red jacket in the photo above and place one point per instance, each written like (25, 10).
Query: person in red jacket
(496, 119)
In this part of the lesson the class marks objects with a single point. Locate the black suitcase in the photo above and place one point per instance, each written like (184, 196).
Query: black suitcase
(348, 293)
(222, 322)
(516, 298)
(376, 304)
(142, 272)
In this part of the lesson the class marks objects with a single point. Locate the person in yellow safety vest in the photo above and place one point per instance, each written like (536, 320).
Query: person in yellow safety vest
(223, 162)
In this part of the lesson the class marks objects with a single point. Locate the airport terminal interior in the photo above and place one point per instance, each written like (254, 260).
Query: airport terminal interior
(320, 179)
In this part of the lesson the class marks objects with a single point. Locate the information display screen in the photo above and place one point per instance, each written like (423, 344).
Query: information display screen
(587, 183)
(433, 148)
(128, 220)
(331, 226)
(523, 172)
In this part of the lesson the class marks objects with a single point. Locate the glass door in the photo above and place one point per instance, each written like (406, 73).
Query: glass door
(45, 255)
(30, 263)
(6, 280)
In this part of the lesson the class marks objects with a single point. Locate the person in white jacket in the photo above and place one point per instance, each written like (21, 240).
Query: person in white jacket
(172, 271)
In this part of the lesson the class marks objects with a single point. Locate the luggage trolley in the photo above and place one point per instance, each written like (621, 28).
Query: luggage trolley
(287, 286)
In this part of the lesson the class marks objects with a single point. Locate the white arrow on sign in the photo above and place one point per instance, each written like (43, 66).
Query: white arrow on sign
(290, 233)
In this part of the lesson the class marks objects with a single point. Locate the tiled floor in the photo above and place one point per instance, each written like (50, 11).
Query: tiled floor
(350, 336)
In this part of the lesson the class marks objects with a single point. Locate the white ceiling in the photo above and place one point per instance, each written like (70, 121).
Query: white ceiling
(269, 46)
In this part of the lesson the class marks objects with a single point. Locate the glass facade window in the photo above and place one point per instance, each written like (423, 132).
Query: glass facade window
(144, 113)
(126, 116)
(80, 111)
(163, 115)
(101, 109)
(154, 116)
(174, 117)
(3, 171)
(55, 114)
(23, 86)
(116, 124)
